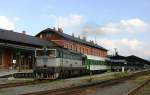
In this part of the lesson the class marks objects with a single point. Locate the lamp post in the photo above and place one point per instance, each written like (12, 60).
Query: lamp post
(19, 61)
(90, 71)
(12, 69)
(125, 66)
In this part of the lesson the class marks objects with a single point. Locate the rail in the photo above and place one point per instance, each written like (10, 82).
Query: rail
(77, 89)
(138, 90)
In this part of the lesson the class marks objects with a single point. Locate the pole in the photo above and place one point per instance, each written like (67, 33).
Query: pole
(90, 72)
(62, 65)
(19, 61)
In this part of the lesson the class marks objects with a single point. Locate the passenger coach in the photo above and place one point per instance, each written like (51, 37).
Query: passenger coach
(96, 64)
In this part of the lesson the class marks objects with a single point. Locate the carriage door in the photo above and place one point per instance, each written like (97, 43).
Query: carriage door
(1, 60)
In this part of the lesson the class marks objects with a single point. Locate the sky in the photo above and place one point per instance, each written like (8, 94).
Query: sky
(121, 24)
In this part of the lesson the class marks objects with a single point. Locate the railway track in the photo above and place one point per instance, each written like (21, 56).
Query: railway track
(139, 90)
(21, 84)
(80, 89)
(15, 84)
(146, 89)
(72, 90)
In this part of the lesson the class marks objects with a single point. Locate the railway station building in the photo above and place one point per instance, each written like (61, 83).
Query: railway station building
(17, 49)
(95, 54)
(72, 43)
(127, 63)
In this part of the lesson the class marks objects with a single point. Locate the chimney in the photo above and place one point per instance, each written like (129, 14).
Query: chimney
(23, 32)
(60, 29)
(84, 38)
(116, 53)
(79, 37)
(54, 28)
(92, 42)
(72, 34)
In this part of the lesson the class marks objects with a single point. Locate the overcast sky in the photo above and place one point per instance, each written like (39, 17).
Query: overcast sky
(121, 24)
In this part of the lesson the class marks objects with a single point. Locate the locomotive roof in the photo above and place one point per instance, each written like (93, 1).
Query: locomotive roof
(72, 38)
(65, 50)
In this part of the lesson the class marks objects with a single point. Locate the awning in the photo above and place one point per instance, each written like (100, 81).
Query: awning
(17, 46)
(95, 57)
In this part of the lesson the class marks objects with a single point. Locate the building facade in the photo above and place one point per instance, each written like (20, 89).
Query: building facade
(125, 63)
(72, 43)
(17, 50)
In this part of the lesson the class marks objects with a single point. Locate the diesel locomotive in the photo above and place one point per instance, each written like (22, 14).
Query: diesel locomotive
(58, 62)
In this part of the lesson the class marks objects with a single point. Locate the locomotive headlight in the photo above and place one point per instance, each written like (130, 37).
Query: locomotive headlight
(44, 65)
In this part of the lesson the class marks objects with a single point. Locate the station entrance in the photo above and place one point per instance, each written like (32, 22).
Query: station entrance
(23, 60)
(1, 59)
(16, 59)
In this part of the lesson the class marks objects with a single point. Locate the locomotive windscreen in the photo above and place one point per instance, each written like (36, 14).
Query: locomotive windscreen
(47, 52)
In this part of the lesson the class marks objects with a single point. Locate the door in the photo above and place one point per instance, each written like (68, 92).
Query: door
(1, 59)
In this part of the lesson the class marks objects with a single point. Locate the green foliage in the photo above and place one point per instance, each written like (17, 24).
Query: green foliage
(142, 79)
(120, 74)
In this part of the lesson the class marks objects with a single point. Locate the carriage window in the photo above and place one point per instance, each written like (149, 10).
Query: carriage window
(64, 55)
(58, 54)
(70, 57)
(39, 53)
(50, 53)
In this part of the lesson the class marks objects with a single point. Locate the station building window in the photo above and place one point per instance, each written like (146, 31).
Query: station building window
(49, 34)
(86, 51)
(70, 47)
(41, 36)
(81, 49)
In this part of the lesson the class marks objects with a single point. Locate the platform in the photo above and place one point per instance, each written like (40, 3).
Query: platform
(6, 73)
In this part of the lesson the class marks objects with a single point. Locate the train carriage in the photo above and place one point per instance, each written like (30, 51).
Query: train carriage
(96, 64)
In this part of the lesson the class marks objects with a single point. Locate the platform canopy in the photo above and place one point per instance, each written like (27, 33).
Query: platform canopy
(95, 57)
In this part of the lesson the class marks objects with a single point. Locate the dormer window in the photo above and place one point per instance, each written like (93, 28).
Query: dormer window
(41, 36)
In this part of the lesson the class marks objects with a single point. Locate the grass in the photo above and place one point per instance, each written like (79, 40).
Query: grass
(28, 82)
(109, 77)
(120, 74)
(142, 79)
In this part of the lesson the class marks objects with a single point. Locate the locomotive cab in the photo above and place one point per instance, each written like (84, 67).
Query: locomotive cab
(46, 63)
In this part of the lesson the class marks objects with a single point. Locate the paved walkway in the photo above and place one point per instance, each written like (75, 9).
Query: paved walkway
(118, 89)
(5, 72)
(146, 90)
(57, 84)
(54, 85)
